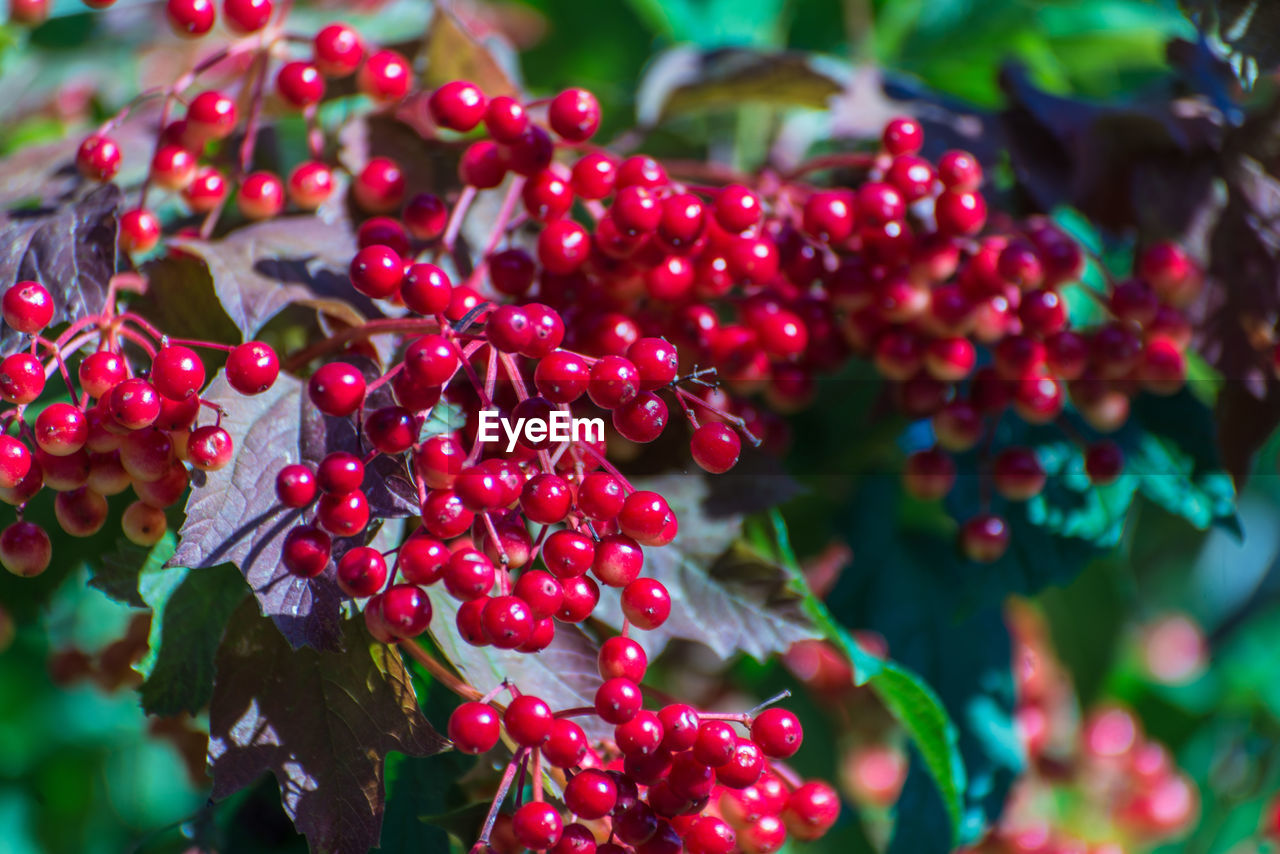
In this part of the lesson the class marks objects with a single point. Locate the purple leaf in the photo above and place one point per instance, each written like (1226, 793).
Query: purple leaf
(71, 250)
(723, 595)
(321, 722)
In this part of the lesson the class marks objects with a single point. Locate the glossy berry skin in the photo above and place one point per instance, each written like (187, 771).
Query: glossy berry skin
(646, 603)
(715, 447)
(385, 76)
(777, 732)
(177, 372)
(261, 195)
(98, 157)
(507, 621)
(210, 448)
(338, 50)
(377, 271)
(574, 115)
(252, 367)
(473, 728)
(15, 462)
(27, 307)
(343, 514)
(310, 184)
(300, 84)
(591, 794)
(206, 191)
(426, 289)
(710, 835)
(190, 18)
(139, 230)
(567, 745)
(25, 549)
(296, 486)
(458, 105)
(811, 810)
(537, 825)
(426, 216)
(210, 115)
(61, 429)
(173, 167)
(622, 658)
(902, 136)
(563, 246)
(431, 360)
(528, 720)
(247, 16)
(134, 404)
(618, 700)
(305, 552)
(336, 388)
(505, 119)
(21, 378)
(379, 188)
(406, 610)
(362, 572)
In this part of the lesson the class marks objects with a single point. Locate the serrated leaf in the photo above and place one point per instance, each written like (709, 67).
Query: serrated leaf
(320, 722)
(119, 573)
(565, 674)
(70, 249)
(262, 268)
(685, 79)
(190, 610)
(723, 594)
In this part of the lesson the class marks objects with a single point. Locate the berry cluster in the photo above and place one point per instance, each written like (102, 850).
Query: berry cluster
(1126, 791)
(670, 780)
(132, 420)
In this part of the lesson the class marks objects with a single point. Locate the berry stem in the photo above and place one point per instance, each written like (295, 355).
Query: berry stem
(439, 672)
(508, 777)
(261, 61)
(776, 698)
(456, 216)
(389, 326)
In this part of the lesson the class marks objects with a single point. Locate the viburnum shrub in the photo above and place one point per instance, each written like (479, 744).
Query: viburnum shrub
(403, 468)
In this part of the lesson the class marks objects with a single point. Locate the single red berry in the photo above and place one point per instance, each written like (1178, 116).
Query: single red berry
(15, 462)
(207, 190)
(656, 359)
(406, 610)
(139, 230)
(310, 184)
(1017, 474)
(618, 700)
(190, 18)
(27, 307)
(567, 745)
(295, 485)
(505, 119)
(343, 514)
(252, 367)
(902, 136)
(377, 271)
(422, 560)
(177, 372)
(426, 216)
(247, 16)
(362, 572)
(337, 388)
(777, 732)
(300, 84)
(261, 195)
(594, 175)
(305, 552)
(811, 810)
(715, 447)
(537, 825)
(426, 289)
(985, 538)
(21, 378)
(618, 560)
(591, 794)
(134, 404)
(473, 728)
(710, 835)
(458, 105)
(737, 208)
(385, 76)
(614, 381)
(340, 472)
(98, 157)
(646, 603)
(211, 115)
(563, 246)
(622, 658)
(468, 574)
(338, 50)
(210, 448)
(380, 185)
(959, 170)
(482, 165)
(600, 496)
(528, 720)
(680, 724)
(546, 499)
(574, 115)
(61, 429)
(507, 621)
(25, 549)
(581, 595)
(960, 213)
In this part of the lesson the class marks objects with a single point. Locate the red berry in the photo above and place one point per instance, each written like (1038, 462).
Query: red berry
(190, 18)
(737, 208)
(985, 538)
(15, 462)
(431, 360)
(210, 448)
(426, 289)
(1017, 474)
(380, 186)
(295, 485)
(562, 376)
(960, 213)
(594, 175)
(340, 472)
(715, 447)
(385, 76)
(600, 496)
(377, 271)
(25, 549)
(618, 560)
(657, 361)
(482, 165)
(680, 724)
(567, 745)
(902, 136)
(618, 700)
(426, 216)
(27, 307)
(568, 554)
(622, 658)
(528, 720)
(98, 157)
(537, 825)
(338, 50)
(458, 105)
(959, 170)
(777, 732)
(207, 190)
(362, 572)
(305, 552)
(929, 475)
(343, 514)
(468, 575)
(252, 367)
(21, 378)
(337, 388)
(139, 230)
(300, 84)
(247, 16)
(505, 119)
(177, 372)
(406, 610)
(211, 115)
(473, 728)
(646, 603)
(507, 621)
(261, 195)
(563, 246)
(574, 115)
(811, 810)
(134, 404)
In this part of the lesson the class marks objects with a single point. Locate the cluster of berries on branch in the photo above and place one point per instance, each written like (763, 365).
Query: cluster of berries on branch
(131, 418)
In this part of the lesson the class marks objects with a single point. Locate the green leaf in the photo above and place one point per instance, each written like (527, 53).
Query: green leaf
(119, 574)
(190, 611)
(714, 23)
(909, 699)
(321, 722)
